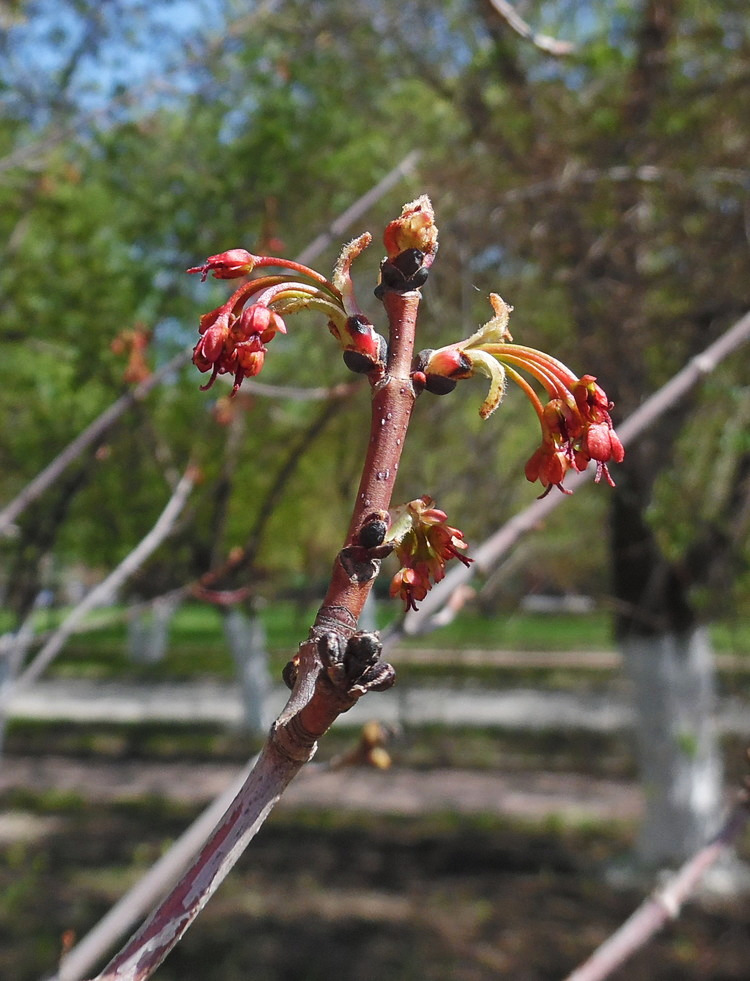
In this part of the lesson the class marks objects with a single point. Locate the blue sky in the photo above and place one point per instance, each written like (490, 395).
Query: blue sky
(142, 46)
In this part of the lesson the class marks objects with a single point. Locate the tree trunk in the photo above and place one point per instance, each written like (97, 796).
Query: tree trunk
(668, 657)
(673, 680)
(148, 632)
(246, 638)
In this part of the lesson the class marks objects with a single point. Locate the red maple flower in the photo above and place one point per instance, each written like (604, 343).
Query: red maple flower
(424, 543)
(575, 420)
(235, 344)
(227, 265)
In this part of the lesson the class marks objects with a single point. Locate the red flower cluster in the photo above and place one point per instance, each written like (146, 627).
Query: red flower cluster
(424, 543)
(575, 421)
(575, 432)
(234, 336)
(235, 344)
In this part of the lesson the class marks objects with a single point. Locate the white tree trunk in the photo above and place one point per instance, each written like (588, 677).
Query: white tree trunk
(246, 638)
(148, 632)
(673, 677)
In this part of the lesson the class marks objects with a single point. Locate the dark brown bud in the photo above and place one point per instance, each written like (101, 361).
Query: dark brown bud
(373, 533)
(289, 674)
(438, 385)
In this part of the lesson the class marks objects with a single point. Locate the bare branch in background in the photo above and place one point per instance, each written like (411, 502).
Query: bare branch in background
(106, 590)
(94, 431)
(663, 905)
(544, 42)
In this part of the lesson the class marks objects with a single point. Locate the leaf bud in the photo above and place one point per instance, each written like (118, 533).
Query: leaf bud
(373, 532)
(404, 272)
(365, 349)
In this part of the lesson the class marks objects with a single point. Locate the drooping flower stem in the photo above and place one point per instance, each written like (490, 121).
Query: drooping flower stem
(392, 404)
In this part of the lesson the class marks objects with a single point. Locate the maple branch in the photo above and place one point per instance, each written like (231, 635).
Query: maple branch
(333, 668)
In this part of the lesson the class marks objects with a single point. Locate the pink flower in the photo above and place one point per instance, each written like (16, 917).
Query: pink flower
(411, 585)
(602, 444)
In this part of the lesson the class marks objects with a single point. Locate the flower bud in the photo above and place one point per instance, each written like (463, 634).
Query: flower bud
(364, 348)
(439, 385)
(403, 273)
(414, 229)
(373, 532)
(449, 362)
(227, 265)
(601, 444)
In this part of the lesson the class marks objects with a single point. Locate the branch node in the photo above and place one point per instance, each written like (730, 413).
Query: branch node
(359, 566)
(354, 665)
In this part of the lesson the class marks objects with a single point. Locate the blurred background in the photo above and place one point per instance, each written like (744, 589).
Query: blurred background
(587, 161)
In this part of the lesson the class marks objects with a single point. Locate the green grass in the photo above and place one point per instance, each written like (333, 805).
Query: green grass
(197, 647)
(523, 632)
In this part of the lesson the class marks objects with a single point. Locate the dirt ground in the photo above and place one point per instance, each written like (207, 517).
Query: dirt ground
(534, 795)
(437, 875)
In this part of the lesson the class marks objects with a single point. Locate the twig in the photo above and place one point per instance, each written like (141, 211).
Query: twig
(334, 667)
(104, 592)
(542, 41)
(148, 889)
(663, 905)
(368, 751)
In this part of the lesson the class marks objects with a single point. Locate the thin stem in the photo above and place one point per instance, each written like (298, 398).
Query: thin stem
(554, 387)
(528, 390)
(304, 270)
(538, 357)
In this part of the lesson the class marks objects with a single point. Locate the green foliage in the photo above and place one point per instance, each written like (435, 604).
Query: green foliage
(536, 167)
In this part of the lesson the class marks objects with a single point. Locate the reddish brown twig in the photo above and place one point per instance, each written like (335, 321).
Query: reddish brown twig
(334, 667)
